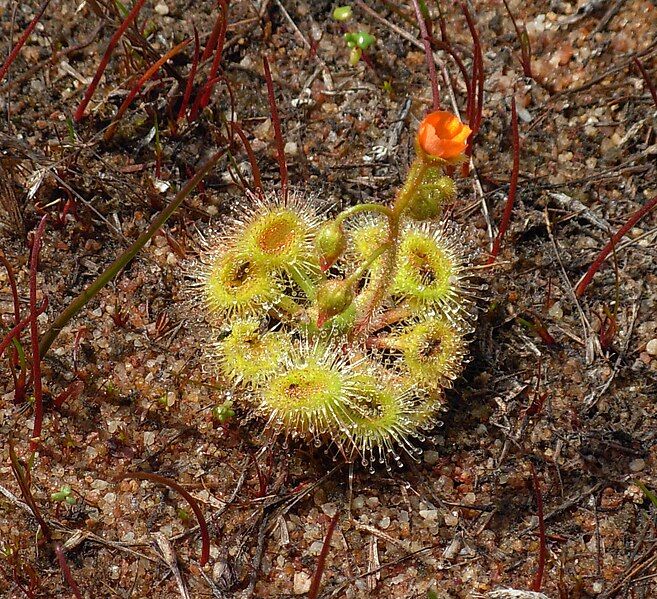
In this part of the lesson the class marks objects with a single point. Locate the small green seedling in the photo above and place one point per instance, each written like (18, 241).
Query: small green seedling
(224, 412)
(358, 41)
(64, 495)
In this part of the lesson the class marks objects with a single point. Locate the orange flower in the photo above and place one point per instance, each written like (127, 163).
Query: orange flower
(443, 135)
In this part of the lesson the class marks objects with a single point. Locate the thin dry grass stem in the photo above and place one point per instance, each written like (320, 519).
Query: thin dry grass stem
(19, 44)
(313, 593)
(150, 72)
(583, 283)
(537, 582)
(513, 185)
(276, 121)
(34, 336)
(646, 78)
(163, 480)
(525, 46)
(190, 78)
(121, 261)
(426, 40)
(130, 17)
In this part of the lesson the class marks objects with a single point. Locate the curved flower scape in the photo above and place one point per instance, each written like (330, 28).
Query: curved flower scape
(346, 333)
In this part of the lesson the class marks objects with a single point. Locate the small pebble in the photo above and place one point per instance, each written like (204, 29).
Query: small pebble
(451, 519)
(429, 514)
(651, 347)
(162, 9)
(637, 465)
(301, 583)
(431, 457)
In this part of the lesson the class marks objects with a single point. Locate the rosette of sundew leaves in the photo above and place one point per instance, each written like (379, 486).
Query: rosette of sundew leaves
(346, 331)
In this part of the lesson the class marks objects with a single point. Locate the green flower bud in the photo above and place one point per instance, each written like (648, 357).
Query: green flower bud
(333, 298)
(429, 201)
(342, 13)
(330, 242)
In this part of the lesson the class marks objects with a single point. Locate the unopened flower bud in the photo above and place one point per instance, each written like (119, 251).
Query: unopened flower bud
(330, 242)
(432, 197)
(333, 298)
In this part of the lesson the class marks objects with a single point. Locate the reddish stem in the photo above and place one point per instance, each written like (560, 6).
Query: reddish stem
(646, 78)
(476, 103)
(525, 48)
(216, 60)
(132, 15)
(150, 72)
(542, 552)
(214, 35)
(276, 121)
(321, 560)
(19, 44)
(633, 220)
(426, 40)
(257, 180)
(66, 571)
(34, 335)
(8, 338)
(13, 287)
(202, 524)
(190, 79)
(513, 186)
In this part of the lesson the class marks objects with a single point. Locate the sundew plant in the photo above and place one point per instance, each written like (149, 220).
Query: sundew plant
(346, 331)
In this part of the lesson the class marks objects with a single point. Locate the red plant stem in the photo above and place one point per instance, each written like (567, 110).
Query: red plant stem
(257, 179)
(4, 344)
(276, 121)
(196, 106)
(426, 40)
(12, 285)
(66, 571)
(190, 79)
(132, 15)
(513, 186)
(542, 552)
(214, 36)
(14, 296)
(525, 49)
(202, 524)
(321, 560)
(34, 336)
(633, 220)
(154, 68)
(475, 107)
(216, 60)
(19, 44)
(646, 78)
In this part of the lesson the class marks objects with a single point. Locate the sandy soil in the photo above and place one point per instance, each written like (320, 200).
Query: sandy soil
(575, 407)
